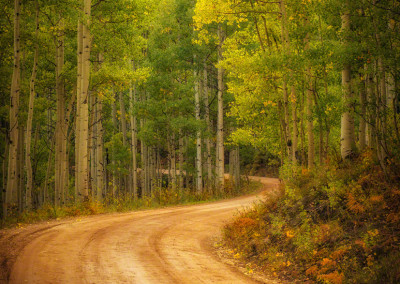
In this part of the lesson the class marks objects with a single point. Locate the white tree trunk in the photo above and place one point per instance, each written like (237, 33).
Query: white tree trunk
(347, 121)
(78, 108)
(132, 97)
(206, 94)
(83, 168)
(220, 122)
(12, 179)
(199, 169)
(61, 127)
(28, 163)
(310, 124)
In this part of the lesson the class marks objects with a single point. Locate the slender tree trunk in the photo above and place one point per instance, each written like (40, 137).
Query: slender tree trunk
(78, 108)
(371, 113)
(4, 181)
(83, 188)
(46, 190)
(123, 118)
(310, 125)
(100, 169)
(20, 169)
(236, 172)
(143, 163)
(382, 111)
(61, 127)
(132, 97)
(347, 121)
(207, 118)
(124, 128)
(92, 144)
(283, 141)
(12, 179)
(180, 165)
(231, 164)
(363, 115)
(28, 163)
(286, 48)
(310, 120)
(220, 122)
(199, 169)
(173, 162)
(295, 132)
(115, 180)
(302, 156)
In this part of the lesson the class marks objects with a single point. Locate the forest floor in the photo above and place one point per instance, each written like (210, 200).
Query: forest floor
(169, 245)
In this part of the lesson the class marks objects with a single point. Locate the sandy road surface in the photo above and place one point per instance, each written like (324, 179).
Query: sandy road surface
(172, 245)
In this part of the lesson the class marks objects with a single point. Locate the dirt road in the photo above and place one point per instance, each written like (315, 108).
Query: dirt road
(172, 245)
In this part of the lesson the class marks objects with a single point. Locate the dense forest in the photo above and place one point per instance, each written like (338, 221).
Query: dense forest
(104, 100)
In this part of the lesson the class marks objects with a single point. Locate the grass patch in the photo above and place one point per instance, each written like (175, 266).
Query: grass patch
(160, 197)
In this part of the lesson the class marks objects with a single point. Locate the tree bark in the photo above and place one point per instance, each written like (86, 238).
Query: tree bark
(220, 120)
(363, 116)
(28, 162)
(12, 179)
(291, 140)
(133, 99)
(93, 144)
(182, 174)
(83, 186)
(78, 108)
(61, 128)
(236, 172)
(124, 178)
(173, 162)
(310, 125)
(115, 180)
(207, 118)
(347, 122)
(123, 118)
(199, 169)
(100, 169)
(20, 169)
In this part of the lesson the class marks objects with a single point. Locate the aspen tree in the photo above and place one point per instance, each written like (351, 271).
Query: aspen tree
(78, 108)
(100, 169)
(83, 121)
(347, 121)
(206, 94)
(182, 174)
(293, 98)
(28, 161)
(11, 197)
(173, 162)
(363, 115)
(92, 144)
(20, 169)
(61, 127)
(133, 119)
(220, 121)
(310, 125)
(123, 179)
(199, 169)
(285, 47)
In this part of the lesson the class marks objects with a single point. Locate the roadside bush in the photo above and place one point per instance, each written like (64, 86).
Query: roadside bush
(122, 202)
(340, 224)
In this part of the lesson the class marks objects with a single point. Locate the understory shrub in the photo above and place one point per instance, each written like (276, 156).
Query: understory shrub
(160, 197)
(337, 224)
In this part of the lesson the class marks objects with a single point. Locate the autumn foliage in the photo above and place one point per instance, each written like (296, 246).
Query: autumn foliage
(336, 225)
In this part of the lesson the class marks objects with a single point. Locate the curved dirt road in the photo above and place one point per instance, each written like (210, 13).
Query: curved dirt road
(172, 245)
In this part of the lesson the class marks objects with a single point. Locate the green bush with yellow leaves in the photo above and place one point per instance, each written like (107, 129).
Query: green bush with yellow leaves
(340, 224)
